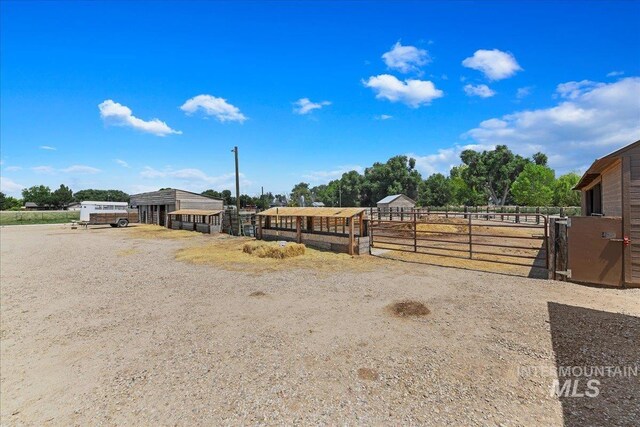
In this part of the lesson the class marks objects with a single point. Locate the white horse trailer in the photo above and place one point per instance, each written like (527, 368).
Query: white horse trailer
(115, 214)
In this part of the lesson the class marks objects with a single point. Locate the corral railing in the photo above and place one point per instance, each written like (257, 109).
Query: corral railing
(470, 235)
(515, 214)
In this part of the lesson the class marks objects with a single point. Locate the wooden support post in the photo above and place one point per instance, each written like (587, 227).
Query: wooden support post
(351, 239)
(299, 229)
(259, 227)
(361, 225)
(470, 240)
(415, 233)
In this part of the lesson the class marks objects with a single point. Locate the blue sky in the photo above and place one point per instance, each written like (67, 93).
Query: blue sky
(143, 95)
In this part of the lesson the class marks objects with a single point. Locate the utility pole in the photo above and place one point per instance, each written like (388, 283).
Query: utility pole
(235, 151)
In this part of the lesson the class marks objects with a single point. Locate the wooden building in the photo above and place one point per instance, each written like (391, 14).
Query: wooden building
(334, 229)
(396, 202)
(154, 207)
(610, 191)
(203, 221)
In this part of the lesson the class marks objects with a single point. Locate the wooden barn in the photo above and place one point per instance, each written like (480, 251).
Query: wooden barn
(154, 207)
(607, 238)
(334, 229)
(396, 203)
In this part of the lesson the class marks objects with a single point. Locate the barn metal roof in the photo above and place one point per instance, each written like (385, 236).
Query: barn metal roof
(203, 212)
(318, 212)
(599, 165)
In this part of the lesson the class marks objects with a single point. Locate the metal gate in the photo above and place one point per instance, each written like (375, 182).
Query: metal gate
(596, 246)
(513, 239)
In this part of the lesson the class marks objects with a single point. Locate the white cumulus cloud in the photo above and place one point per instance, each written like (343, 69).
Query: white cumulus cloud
(214, 107)
(8, 186)
(411, 92)
(115, 114)
(328, 175)
(80, 169)
(305, 106)
(495, 64)
(405, 58)
(483, 91)
(192, 178)
(590, 120)
(615, 74)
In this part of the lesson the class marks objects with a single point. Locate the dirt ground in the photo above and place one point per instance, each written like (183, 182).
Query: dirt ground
(143, 326)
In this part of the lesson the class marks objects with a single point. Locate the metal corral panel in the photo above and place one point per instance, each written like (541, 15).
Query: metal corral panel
(317, 212)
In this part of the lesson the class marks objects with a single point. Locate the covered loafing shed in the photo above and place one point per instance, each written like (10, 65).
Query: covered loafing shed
(203, 221)
(335, 229)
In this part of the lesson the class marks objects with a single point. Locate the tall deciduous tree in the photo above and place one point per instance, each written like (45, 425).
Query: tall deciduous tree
(563, 195)
(435, 191)
(38, 194)
(397, 176)
(8, 203)
(299, 191)
(534, 186)
(62, 196)
(101, 195)
(492, 171)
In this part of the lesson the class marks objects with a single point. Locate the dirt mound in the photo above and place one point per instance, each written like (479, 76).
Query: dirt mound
(408, 308)
(257, 294)
(273, 250)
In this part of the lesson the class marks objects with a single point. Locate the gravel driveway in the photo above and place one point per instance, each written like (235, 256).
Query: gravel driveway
(100, 327)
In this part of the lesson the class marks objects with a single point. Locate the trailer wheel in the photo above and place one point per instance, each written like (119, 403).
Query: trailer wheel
(123, 223)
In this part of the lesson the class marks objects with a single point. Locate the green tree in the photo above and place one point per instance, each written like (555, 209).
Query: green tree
(540, 159)
(350, 188)
(397, 176)
(435, 191)
(534, 186)
(300, 190)
(8, 203)
(38, 194)
(492, 171)
(62, 197)
(101, 195)
(461, 192)
(563, 195)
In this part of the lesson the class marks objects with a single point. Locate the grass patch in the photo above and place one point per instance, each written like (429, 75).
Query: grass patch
(148, 231)
(273, 249)
(408, 308)
(38, 217)
(127, 252)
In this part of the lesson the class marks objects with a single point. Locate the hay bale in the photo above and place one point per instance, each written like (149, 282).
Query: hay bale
(271, 250)
(408, 308)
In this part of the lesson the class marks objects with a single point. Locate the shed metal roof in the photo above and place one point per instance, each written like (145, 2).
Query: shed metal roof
(203, 212)
(599, 165)
(393, 197)
(310, 211)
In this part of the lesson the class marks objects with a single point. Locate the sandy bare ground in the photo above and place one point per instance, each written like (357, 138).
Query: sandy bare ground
(106, 327)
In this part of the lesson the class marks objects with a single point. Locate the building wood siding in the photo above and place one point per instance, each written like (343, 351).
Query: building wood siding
(612, 191)
(400, 202)
(633, 196)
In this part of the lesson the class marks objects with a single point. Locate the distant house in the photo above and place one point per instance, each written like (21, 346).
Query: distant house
(31, 206)
(317, 205)
(396, 202)
(73, 206)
